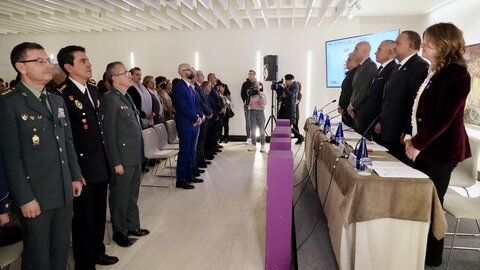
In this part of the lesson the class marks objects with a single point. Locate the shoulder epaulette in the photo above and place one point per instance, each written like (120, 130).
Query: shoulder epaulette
(7, 92)
(61, 88)
(92, 82)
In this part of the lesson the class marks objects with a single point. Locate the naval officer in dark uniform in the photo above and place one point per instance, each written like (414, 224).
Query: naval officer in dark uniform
(89, 210)
(42, 167)
(4, 197)
(123, 138)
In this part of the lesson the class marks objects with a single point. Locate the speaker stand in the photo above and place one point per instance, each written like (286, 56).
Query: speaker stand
(271, 120)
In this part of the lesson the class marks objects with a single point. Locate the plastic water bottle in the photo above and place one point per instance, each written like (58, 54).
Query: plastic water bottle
(362, 151)
(339, 134)
(321, 120)
(327, 128)
(315, 113)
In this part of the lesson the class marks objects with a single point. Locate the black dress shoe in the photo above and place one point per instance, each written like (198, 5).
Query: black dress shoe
(196, 180)
(209, 158)
(195, 174)
(204, 165)
(122, 240)
(198, 170)
(139, 232)
(106, 260)
(218, 151)
(184, 186)
(219, 146)
(207, 162)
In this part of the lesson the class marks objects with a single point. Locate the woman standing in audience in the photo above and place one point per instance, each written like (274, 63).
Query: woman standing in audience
(226, 97)
(439, 140)
(168, 110)
(157, 106)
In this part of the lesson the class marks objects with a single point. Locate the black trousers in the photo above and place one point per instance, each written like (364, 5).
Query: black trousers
(440, 173)
(202, 136)
(88, 225)
(46, 239)
(397, 150)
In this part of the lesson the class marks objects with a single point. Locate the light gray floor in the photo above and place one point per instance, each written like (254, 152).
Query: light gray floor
(221, 223)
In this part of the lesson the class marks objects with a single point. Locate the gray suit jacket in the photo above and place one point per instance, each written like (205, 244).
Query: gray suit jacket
(121, 129)
(39, 155)
(360, 84)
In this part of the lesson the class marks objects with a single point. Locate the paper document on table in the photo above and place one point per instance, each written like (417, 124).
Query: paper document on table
(373, 146)
(396, 169)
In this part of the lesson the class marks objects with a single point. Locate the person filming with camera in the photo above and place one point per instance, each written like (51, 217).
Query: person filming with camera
(287, 96)
(256, 106)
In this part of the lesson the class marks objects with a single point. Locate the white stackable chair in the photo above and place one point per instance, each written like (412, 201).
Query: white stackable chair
(466, 173)
(9, 254)
(152, 150)
(172, 132)
(462, 208)
(162, 135)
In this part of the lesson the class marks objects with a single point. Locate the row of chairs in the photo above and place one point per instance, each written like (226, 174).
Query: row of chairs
(156, 146)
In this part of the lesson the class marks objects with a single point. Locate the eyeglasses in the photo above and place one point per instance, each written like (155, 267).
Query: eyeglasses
(39, 60)
(191, 69)
(125, 73)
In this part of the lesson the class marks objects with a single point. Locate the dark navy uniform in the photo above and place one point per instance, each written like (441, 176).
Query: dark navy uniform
(88, 225)
(41, 166)
(4, 193)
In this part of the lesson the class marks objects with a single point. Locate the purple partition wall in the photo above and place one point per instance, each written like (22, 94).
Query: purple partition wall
(283, 122)
(279, 202)
(278, 143)
(281, 132)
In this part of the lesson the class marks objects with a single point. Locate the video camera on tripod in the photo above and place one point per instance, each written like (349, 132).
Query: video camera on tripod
(277, 85)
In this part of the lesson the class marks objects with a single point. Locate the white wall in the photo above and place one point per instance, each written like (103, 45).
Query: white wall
(228, 53)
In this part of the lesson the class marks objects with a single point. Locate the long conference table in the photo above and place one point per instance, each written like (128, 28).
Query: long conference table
(374, 222)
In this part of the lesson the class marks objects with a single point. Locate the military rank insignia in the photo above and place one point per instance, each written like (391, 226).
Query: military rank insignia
(71, 98)
(36, 140)
(79, 104)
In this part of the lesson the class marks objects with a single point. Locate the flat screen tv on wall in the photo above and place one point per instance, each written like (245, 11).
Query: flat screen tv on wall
(337, 52)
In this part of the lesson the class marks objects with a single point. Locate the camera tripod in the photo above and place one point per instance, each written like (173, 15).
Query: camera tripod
(272, 115)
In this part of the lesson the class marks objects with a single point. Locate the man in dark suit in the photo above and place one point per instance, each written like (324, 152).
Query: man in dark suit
(42, 167)
(385, 55)
(399, 93)
(89, 210)
(346, 93)
(123, 139)
(187, 120)
(361, 80)
(207, 111)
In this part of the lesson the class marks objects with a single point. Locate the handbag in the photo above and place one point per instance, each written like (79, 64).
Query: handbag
(230, 113)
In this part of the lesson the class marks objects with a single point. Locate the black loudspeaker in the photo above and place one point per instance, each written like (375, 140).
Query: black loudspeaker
(270, 68)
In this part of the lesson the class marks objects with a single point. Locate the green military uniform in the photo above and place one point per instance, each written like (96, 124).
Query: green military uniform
(40, 164)
(123, 138)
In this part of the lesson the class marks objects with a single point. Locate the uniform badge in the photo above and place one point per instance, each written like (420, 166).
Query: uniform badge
(61, 113)
(36, 140)
(71, 98)
(98, 103)
(24, 94)
(79, 104)
(24, 117)
(61, 88)
(85, 126)
(32, 117)
(84, 121)
(40, 116)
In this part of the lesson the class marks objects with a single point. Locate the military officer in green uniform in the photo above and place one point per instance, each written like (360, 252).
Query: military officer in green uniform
(123, 138)
(41, 168)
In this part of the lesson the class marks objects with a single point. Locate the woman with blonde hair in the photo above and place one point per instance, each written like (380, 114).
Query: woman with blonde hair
(438, 137)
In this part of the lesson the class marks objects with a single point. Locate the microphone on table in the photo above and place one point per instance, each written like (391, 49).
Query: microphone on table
(333, 101)
(362, 150)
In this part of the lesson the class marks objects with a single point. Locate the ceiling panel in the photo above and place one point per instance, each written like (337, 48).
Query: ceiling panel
(50, 16)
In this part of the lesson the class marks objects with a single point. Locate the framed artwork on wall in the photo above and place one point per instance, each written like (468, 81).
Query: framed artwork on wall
(472, 108)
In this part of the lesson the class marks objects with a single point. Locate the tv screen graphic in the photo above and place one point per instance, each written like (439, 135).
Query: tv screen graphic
(337, 52)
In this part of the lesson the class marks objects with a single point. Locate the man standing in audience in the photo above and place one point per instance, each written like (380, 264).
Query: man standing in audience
(248, 84)
(207, 111)
(366, 70)
(347, 89)
(42, 167)
(89, 210)
(287, 96)
(187, 120)
(123, 139)
(141, 98)
(385, 55)
(399, 93)
(221, 109)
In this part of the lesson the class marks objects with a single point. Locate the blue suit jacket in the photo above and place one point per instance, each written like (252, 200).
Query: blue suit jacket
(186, 108)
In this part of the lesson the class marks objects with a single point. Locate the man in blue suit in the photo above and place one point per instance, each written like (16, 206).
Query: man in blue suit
(187, 119)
